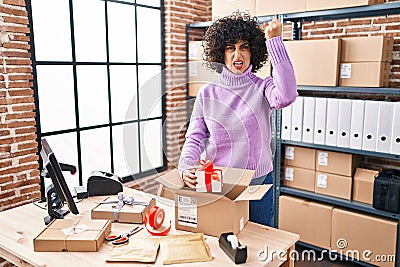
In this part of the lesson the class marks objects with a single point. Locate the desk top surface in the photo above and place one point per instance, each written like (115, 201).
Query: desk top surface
(19, 226)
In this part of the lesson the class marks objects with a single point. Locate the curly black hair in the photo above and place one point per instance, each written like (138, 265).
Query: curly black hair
(228, 30)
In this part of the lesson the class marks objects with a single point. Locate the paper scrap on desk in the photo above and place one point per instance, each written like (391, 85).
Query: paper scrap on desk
(139, 250)
(184, 248)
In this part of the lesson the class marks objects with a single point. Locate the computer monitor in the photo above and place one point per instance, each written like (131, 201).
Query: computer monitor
(58, 192)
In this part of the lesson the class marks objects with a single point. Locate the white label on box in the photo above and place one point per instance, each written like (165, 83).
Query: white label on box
(289, 174)
(193, 69)
(193, 50)
(323, 158)
(241, 224)
(289, 153)
(187, 211)
(322, 180)
(345, 71)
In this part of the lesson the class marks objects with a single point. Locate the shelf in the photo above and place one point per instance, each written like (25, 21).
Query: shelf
(200, 24)
(339, 202)
(343, 149)
(343, 13)
(338, 89)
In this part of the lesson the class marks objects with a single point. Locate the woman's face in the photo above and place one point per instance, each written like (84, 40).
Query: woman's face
(237, 56)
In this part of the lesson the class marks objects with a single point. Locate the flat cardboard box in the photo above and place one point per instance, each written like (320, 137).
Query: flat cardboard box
(315, 62)
(199, 75)
(364, 74)
(52, 238)
(301, 157)
(269, 7)
(129, 213)
(329, 4)
(367, 49)
(299, 178)
(363, 233)
(311, 220)
(221, 8)
(363, 185)
(213, 213)
(333, 185)
(336, 162)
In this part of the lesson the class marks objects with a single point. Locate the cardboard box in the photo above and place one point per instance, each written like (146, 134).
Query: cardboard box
(300, 157)
(199, 75)
(202, 212)
(221, 8)
(363, 233)
(315, 62)
(363, 185)
(128, 214)
(88, 235)
(269, 7)
(195, 50)
(367, 49)
(311, 220)
(333, 185)
(329, 4)
(336, 162)
(364, 74)
(299, 178)
(265, 71)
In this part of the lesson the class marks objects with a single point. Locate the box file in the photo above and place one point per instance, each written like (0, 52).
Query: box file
(357, 123)
(320, 121)
(286, 122)
(297, 119)
(332, 112)
(344, 120)
(370, 125)
(395, 146)
(308, 119)
(385, 119)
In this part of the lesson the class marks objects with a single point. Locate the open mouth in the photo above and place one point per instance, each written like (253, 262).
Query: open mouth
(238, 64)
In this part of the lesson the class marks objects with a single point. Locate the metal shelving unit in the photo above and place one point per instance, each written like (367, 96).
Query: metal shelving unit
(296, 20)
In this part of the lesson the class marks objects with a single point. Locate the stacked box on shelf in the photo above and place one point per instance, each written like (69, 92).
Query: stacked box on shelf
(312, 5)
(365, 61)
(363, 185)
(299, 168)
(221, 8)
(334, 171)
(270, 7)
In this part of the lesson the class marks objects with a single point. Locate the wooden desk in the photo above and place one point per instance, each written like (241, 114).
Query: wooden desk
(20, 225)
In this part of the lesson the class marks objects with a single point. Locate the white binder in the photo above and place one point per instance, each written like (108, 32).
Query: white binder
(344, 120)
(320, 120)
(297, 119)
(286, 114)
(395, 146)
(332, 112)
(370, 125)
(385, 120)
(308, 119)
(357, 123)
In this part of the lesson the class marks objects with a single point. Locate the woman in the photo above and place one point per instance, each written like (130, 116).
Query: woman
(230, 122)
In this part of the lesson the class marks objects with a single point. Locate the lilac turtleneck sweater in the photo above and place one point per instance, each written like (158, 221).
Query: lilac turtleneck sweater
(230, 122)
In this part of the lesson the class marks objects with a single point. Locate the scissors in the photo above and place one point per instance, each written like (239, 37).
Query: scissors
(123, 238)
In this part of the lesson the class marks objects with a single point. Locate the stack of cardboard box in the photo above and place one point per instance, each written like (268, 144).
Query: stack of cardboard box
(365, 61)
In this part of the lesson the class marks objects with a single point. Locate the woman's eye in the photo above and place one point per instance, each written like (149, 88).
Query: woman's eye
(230, 48)
(245, 47)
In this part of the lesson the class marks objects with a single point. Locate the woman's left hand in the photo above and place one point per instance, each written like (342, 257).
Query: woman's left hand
(273, 28)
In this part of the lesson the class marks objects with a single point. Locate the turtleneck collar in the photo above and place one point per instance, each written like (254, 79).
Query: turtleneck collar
(228, 78)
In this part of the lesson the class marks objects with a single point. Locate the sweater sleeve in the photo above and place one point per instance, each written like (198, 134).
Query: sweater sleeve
(281, 90)
(195, 136)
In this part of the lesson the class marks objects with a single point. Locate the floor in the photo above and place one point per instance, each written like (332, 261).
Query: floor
(324, 262)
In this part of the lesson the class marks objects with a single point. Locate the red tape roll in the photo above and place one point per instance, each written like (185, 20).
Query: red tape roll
(155, 218)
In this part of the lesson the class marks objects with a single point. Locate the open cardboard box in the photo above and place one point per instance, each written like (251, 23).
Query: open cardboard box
(129, 213)
(212, 213)
(80, 235)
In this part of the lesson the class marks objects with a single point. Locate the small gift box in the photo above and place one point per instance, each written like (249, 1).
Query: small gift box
(72, 235)
(208, 178)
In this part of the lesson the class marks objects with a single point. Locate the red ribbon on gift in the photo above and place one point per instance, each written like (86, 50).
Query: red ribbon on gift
(210, 173)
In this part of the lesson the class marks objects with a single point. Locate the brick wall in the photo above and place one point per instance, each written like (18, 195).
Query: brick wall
(19, 174)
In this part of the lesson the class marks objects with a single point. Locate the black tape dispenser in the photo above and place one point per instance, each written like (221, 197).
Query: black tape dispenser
(103, 183)
(232, 247)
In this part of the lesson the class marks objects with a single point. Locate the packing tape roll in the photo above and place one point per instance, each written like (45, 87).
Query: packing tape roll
(233, 240)
(155, 218)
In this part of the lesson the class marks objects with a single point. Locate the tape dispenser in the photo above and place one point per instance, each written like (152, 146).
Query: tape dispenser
(229, 243)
